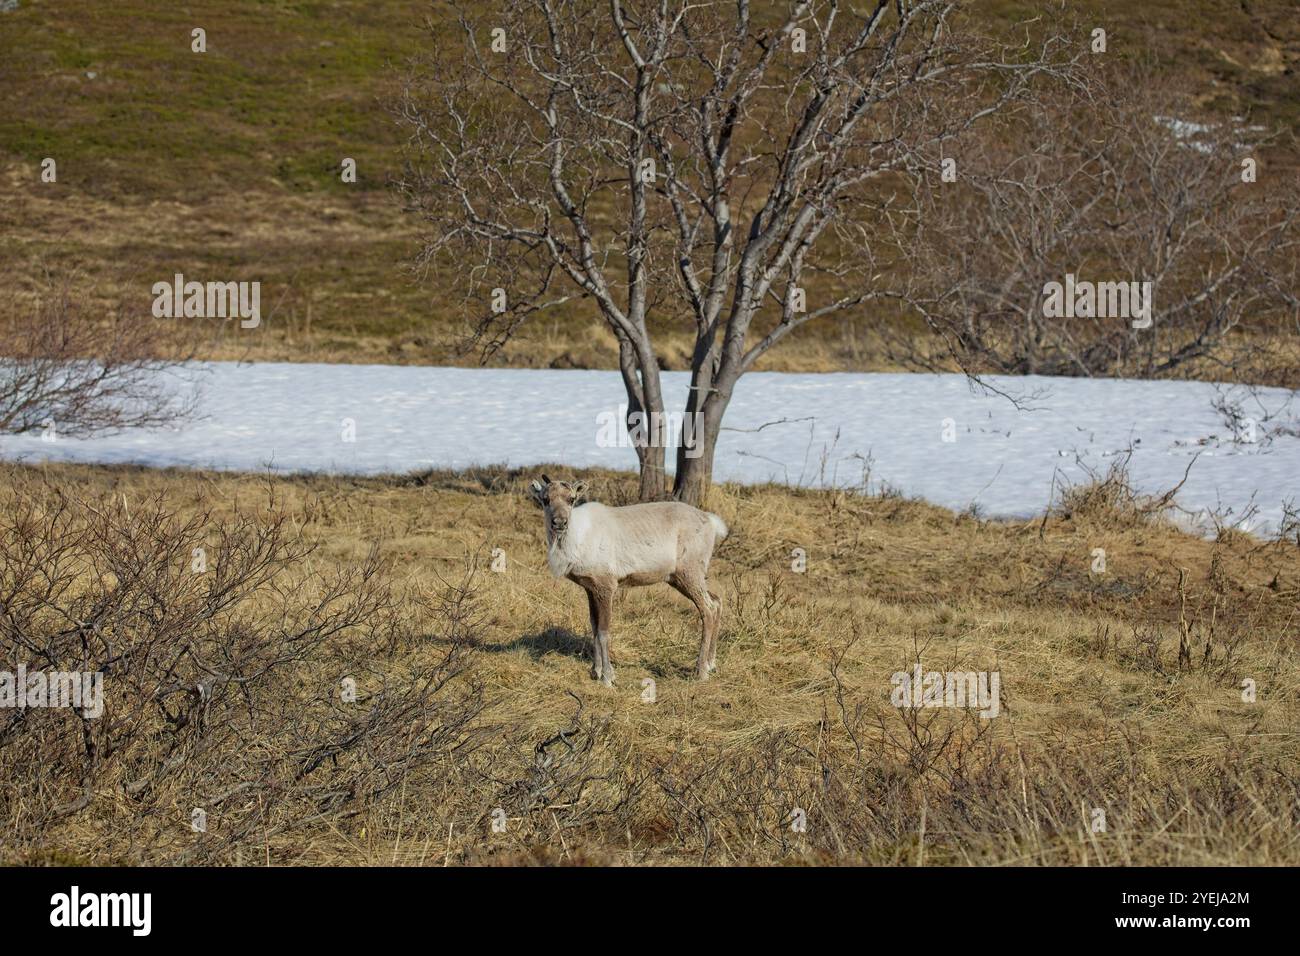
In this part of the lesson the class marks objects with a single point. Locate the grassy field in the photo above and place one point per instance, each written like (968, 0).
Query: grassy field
(227, 613)
(227, 163)
(1121, 691)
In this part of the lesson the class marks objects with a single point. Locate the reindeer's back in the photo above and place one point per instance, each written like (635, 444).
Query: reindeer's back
(648, 538)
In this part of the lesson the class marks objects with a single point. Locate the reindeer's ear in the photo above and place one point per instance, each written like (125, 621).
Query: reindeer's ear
(546, 478)
(579, 489)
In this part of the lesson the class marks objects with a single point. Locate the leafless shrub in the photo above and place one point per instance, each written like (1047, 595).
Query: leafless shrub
(580, 787)
(73, 368)
(1104, 183)
(1252, 420)
(222, 642)
(1289, 527)
(737, 803)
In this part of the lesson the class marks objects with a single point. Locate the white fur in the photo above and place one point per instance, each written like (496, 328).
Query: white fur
(648, 540)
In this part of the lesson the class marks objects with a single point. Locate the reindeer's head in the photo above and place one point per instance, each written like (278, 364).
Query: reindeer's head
(557, 499)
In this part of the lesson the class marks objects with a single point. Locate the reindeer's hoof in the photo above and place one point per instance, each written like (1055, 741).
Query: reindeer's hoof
(702, 672)
(607, 678)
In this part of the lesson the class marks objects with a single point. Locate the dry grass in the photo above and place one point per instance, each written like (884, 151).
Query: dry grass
(1120, 691)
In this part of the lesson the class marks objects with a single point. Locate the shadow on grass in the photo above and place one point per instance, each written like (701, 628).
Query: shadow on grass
(553, 640)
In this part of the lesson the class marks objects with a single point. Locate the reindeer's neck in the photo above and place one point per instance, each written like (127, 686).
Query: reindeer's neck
(555, 539)
(559, 546)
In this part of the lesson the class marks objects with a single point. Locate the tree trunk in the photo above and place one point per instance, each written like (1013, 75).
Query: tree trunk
(645, 406)
(694, 475)
(650, 448)
(650, 460)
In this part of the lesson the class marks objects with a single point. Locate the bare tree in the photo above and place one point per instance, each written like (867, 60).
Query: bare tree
(78, 369)
(1112, 185)
(741, 170)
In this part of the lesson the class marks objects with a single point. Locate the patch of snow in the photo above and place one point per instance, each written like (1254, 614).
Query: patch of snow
(1182, 128)
(801, 429)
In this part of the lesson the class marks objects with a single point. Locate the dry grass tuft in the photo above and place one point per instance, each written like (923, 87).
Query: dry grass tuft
(1108, 499)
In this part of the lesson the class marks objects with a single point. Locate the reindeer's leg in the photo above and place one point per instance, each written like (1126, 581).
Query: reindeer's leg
(693, 586)
(604, 591)
(595, 632)
(713, 638)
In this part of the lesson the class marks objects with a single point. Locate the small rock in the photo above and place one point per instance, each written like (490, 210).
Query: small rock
(7, 5)
(91, 74)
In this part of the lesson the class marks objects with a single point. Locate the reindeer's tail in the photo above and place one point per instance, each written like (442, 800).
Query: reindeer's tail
(719, 526)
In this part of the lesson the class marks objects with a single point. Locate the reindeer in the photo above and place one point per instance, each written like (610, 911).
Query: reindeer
(602, 549)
